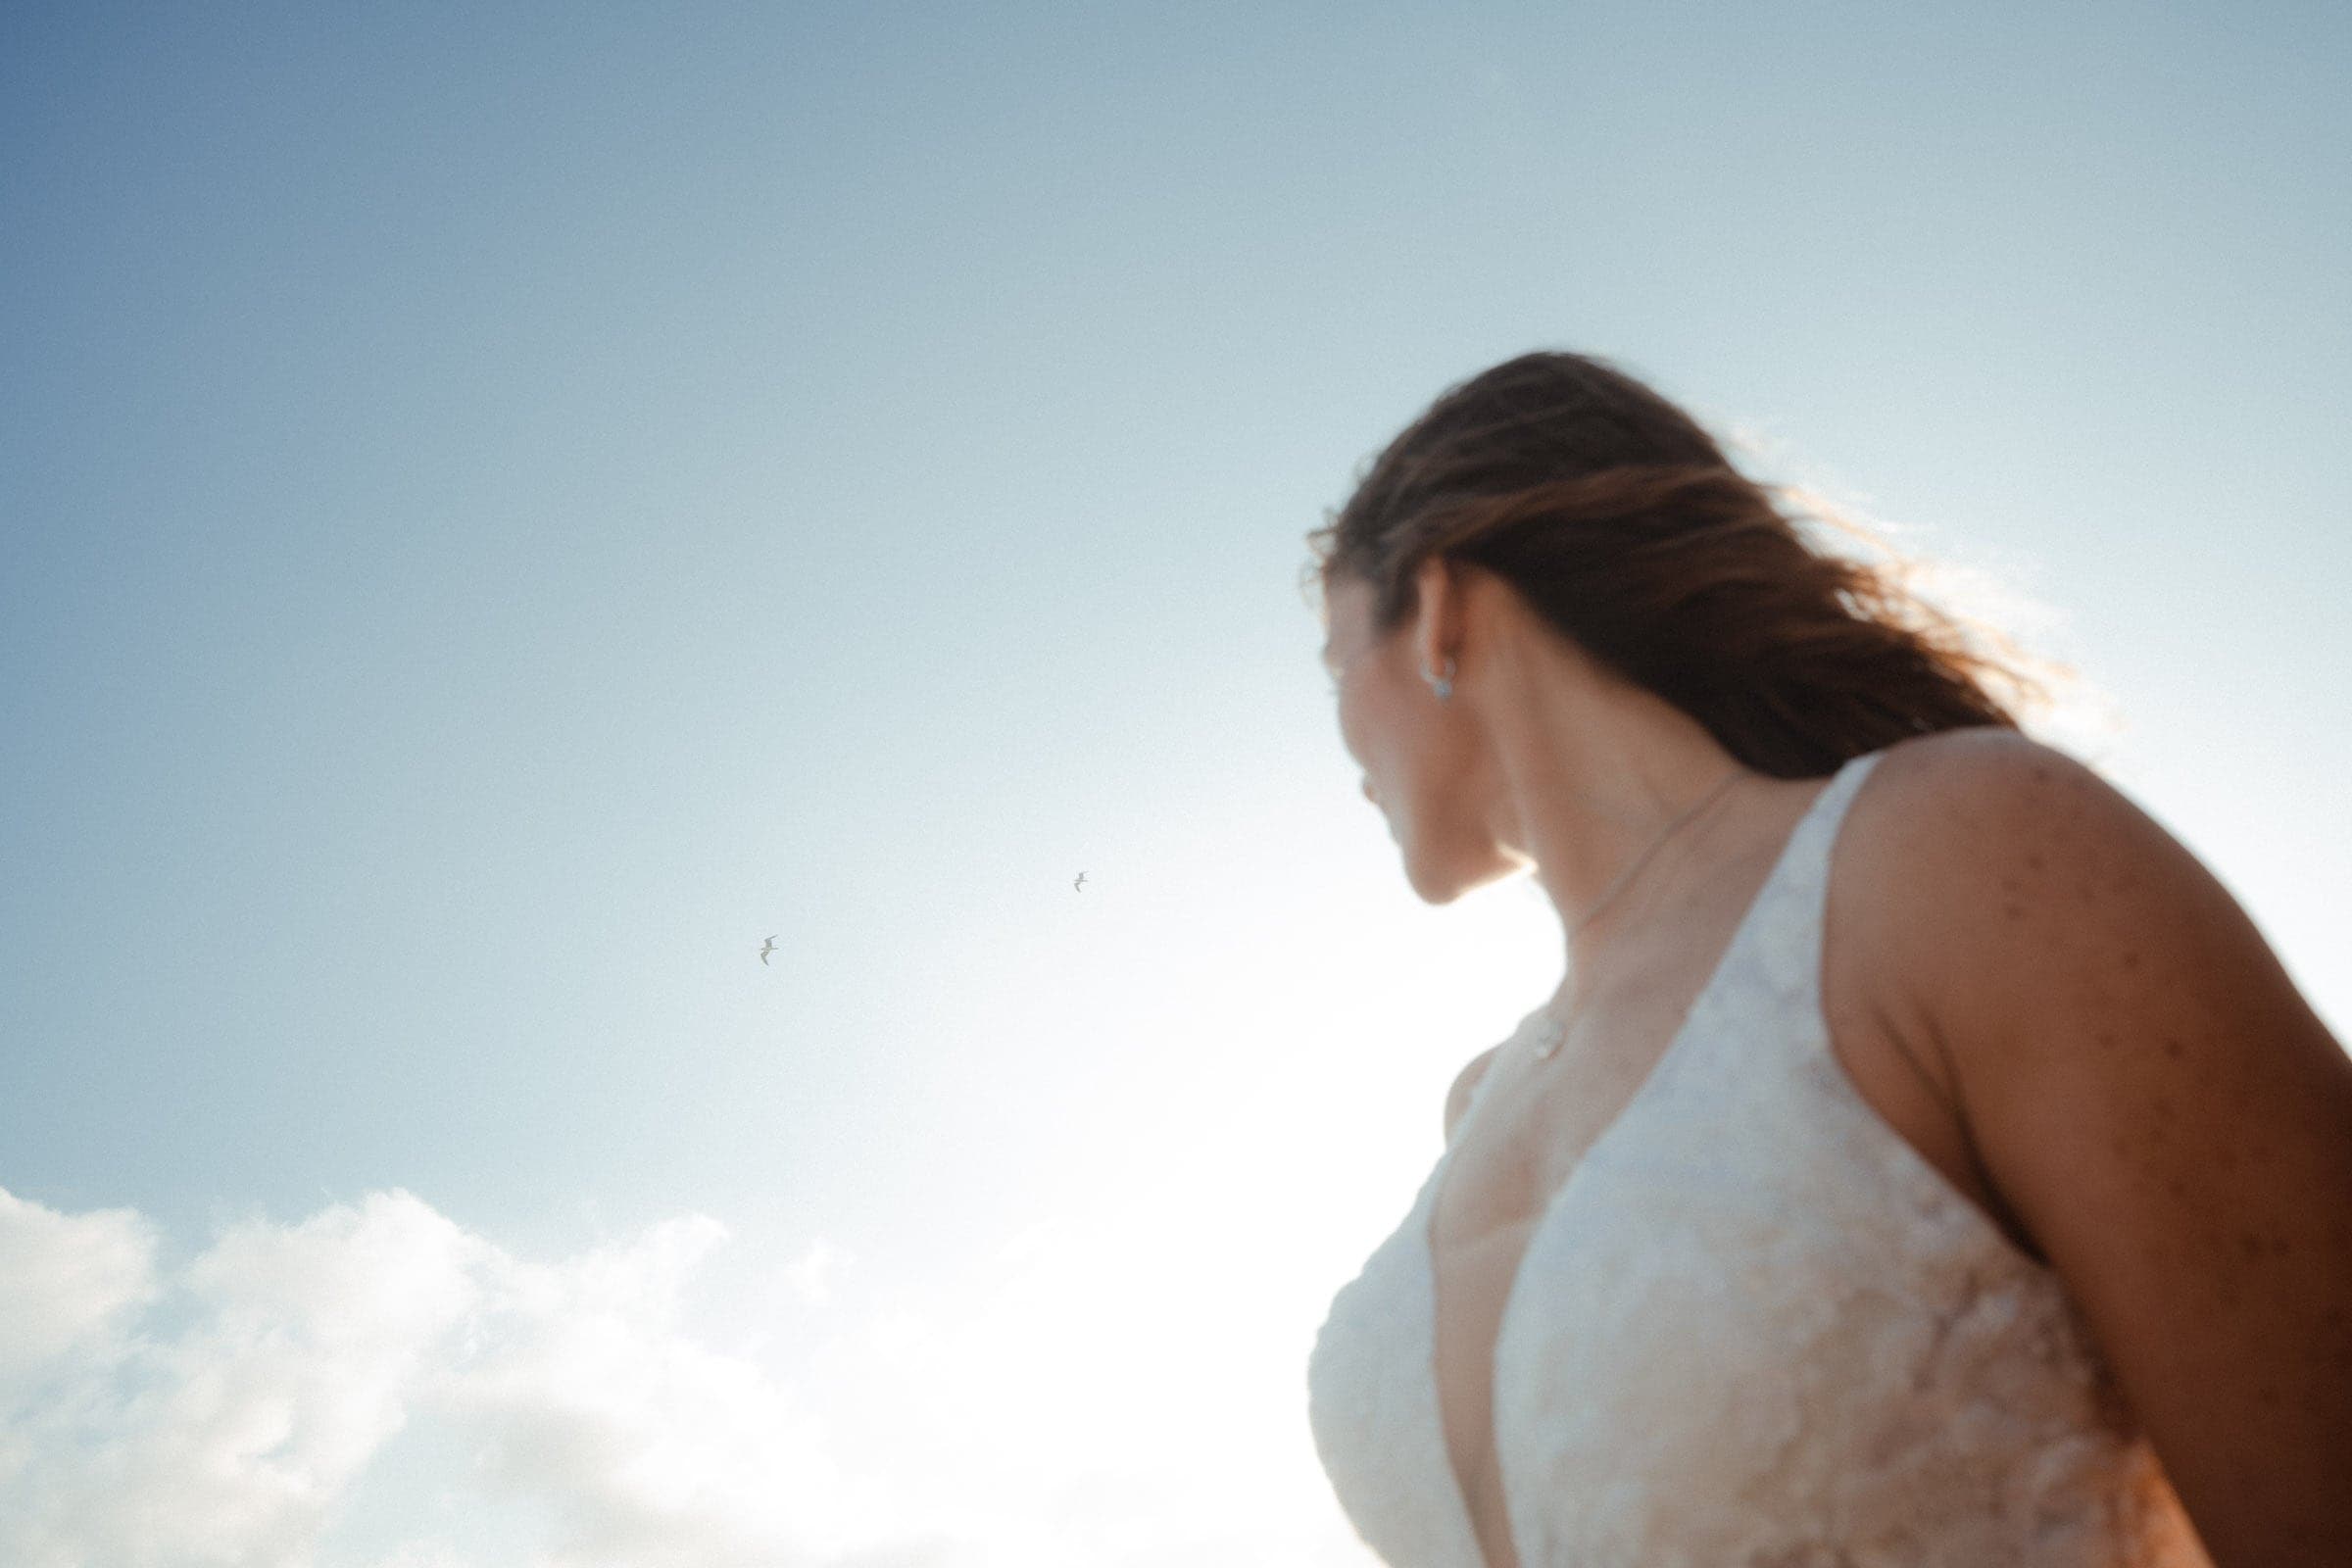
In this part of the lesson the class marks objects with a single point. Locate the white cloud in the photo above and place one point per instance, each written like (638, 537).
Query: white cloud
(70, 1279)
(238, 1434)
(651, 1447)
(376, 1387)
(811, 1278)
(229, 1440)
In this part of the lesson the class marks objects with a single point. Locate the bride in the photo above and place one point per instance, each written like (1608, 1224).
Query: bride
(1923, 1161)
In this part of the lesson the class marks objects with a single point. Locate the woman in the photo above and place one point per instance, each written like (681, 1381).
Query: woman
(1923, 1161)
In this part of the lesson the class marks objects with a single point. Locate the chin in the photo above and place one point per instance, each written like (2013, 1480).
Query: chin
(1440, 886)
(1434, 887)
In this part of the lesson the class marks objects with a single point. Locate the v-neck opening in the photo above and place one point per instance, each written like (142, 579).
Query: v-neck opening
(1650, 1080)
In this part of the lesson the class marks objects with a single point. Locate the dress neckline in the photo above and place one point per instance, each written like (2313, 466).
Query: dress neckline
(1658, 1073)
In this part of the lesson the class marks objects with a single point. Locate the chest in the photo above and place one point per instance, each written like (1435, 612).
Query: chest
(1535, 1122)
(1531, 1122)
(1529, 1131)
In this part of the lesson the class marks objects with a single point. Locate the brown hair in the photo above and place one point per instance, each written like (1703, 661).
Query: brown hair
(1621, 523)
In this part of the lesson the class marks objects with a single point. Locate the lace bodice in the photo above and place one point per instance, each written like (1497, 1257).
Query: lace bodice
(1754, 1328)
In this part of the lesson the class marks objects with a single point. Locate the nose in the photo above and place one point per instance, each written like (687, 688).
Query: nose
(1368, 795)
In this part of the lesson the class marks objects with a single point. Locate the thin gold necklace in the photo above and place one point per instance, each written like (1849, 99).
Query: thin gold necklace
(1558, 1034)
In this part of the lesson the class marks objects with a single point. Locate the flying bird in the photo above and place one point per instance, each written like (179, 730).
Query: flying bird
(1074, 887)
(770, 948)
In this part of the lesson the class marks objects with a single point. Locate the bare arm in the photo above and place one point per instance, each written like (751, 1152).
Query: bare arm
(2163, 1111)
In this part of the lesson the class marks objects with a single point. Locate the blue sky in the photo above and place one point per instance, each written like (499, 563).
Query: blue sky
(503, 509)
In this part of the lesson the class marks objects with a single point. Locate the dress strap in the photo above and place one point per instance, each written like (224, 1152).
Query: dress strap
(1808, 896)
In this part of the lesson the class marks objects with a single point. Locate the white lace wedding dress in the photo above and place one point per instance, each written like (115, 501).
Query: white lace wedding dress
(1755, 1329)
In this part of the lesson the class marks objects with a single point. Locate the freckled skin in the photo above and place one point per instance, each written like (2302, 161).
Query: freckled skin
(2152, 1100)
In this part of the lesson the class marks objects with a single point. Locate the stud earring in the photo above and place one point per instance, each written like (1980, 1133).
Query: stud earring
(1441, 685)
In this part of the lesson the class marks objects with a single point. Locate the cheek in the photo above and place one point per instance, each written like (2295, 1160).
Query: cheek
(1344, 710)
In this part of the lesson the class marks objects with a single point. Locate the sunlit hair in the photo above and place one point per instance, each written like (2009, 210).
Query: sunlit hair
(1621, 523)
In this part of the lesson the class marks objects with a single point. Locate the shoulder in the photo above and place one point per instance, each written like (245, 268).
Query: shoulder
(1984, 842)
(2021, 918)
(1979, 853)
(1966, 787)
(1457, 1098)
